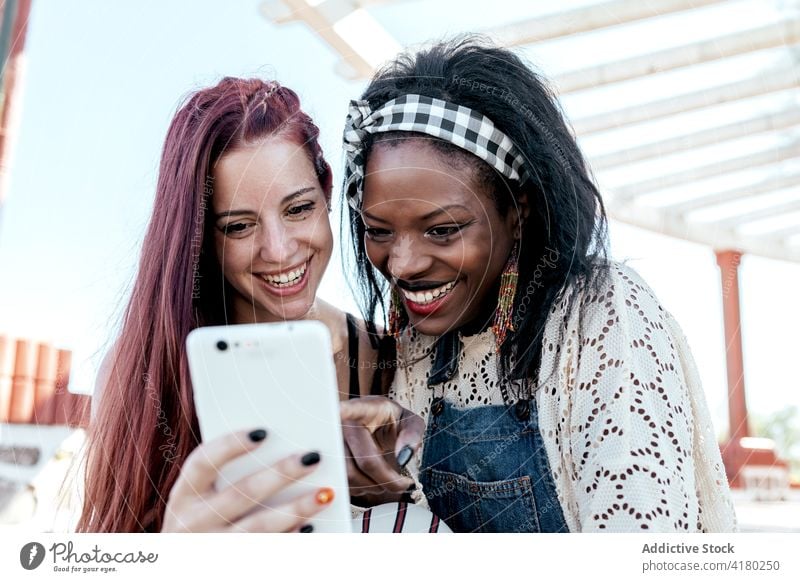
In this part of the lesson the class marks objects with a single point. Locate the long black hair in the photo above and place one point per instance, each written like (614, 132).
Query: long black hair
(564, 237)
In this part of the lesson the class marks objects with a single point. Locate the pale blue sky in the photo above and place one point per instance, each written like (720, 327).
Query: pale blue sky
(102, 82)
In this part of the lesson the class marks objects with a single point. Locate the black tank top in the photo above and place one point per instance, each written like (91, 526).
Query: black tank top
(385, 353)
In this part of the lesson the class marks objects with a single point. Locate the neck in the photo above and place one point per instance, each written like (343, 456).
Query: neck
(320, 310)
(485, 317)
(244, 312)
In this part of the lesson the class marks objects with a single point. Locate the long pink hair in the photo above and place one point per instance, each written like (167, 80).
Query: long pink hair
(145, 424)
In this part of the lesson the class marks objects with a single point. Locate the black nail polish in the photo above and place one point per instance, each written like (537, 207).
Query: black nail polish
(258, 435)
(307, 528)
(404, 456)
(411, 488)
(310, 459)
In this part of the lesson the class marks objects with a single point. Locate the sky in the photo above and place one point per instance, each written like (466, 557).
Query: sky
(103, 80)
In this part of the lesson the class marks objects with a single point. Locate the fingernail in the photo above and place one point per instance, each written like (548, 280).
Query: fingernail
(310, 459)
(258, 435)
(404, 456)
(324, 495)
(411, 488)
(307, 528)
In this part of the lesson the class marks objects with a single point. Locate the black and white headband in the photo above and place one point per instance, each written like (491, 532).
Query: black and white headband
(461, 126)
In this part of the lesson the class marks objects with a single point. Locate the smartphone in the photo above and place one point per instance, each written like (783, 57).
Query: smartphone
(279, 376)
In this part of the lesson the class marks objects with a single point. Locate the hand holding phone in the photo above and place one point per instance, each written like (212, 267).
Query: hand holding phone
(279, 376)
(194, 505)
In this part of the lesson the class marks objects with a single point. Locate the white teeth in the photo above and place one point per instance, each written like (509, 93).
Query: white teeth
(428, 296)
(286, 279)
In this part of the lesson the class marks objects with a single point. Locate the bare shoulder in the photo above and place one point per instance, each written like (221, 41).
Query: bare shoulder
(334, 320)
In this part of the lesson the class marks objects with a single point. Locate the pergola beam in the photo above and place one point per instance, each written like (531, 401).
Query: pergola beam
(761, 158)
(770, 36)
(770, 82)
(587, 19)
(782, 235)
(760, 214)
(655, 220)
(325, 20)
(752, 126)
(779, 181)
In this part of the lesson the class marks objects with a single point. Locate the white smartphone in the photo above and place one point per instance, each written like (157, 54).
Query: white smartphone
(279, 376)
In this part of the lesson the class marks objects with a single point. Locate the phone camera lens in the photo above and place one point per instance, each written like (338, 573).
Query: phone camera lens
(222, 345)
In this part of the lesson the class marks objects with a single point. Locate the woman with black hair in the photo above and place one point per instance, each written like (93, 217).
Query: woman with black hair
(558, 394)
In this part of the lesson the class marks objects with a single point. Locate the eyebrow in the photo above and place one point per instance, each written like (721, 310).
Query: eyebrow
(428, 216)
(444, 209)
(366, 214)
(285, 200)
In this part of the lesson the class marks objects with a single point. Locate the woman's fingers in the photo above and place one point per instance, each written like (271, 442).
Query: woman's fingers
(386, 420)
(355, 477)
(202, 466)
(363, 490)
(371, 462)
(249, 492)
(290, 516)
(194, 506)
(361, 486)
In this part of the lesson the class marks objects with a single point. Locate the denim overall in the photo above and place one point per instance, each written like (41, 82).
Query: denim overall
(485, 469)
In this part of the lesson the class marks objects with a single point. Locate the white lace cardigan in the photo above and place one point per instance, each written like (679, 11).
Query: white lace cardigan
(621, 410)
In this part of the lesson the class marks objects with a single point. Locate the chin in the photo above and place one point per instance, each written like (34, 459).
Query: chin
(273, 309)
(433, 328)
(298, 309)
(436, 326)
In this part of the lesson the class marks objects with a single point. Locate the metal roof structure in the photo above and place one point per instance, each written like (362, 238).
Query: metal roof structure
(688, 110)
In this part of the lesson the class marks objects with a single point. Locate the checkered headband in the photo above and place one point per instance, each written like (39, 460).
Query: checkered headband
(458, 125)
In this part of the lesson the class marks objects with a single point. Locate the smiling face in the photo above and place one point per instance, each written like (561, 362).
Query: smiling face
(433, 230)
(272, 236)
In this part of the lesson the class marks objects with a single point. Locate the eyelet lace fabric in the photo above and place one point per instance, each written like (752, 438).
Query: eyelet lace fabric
(621, 409)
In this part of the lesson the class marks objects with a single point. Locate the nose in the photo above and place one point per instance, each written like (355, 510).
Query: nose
(277, 245)
(408, 260)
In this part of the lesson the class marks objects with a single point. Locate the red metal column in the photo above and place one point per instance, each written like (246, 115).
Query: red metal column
(733, 455)
(728, 262)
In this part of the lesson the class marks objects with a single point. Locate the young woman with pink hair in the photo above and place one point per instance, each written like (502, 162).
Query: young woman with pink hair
(239, 234)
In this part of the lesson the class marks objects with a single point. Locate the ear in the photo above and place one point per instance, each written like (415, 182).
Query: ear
(518, 215)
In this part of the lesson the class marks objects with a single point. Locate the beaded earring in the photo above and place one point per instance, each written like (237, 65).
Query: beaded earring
(395, 314)
(503, 315)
